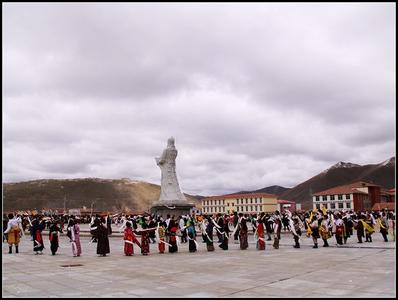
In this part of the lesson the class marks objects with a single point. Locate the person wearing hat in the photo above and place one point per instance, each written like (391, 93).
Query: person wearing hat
(13, 232)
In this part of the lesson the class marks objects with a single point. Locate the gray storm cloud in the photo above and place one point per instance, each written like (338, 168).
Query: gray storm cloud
(256, 94)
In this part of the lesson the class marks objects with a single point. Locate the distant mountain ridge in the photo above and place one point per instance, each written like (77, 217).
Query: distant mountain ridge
(342, 173)
(274, 189)
(132, 195)
(104, 194)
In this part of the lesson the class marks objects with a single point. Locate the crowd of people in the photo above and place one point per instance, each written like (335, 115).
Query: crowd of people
(142, 230)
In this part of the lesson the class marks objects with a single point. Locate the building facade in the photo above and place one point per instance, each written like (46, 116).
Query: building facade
(355, 196)
(240, 203)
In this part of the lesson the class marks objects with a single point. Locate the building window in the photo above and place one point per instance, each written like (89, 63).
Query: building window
(324, 198)
(347, 196)
(332, 205)
(251, 200)
(232, 204)
(318, 206)
(340, 197)
(341, 205)
(348, 205)
(247, 208)
(332, 197)
(316, 198)
(246, 201)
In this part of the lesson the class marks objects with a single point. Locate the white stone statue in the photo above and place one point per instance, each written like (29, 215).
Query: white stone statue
(170, 190)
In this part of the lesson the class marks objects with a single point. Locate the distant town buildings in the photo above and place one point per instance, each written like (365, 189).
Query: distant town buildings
(356, 196)
(244, 203)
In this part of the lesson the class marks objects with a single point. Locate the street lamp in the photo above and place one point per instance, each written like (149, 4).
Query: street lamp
(92, 203)
(63, 189)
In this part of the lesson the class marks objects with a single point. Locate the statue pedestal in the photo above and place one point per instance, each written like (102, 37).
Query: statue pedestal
(176, 208)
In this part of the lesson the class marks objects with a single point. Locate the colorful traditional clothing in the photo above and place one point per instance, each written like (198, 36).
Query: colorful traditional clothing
(54, 237)
(277, 226)
(260, 234)
(162, 238)
(243, 232)
(209, 236)
(36, 229)
(13, 232)
(324, 231)
(172, 231)
(129, 239)
(191, 232)
(100, 232)
(225, 231)
(75, 240)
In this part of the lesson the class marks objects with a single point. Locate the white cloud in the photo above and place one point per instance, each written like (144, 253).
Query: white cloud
(255, 94)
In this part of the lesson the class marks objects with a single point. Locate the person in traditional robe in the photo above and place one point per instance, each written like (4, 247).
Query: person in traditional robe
(36, 229)
(347, 227)
(100, 232)
(383, 223)
(220, 224)
(277, 227)
(13, 232)
(369, 228)
(74, 236)
(172, 232)
(129, 240)
(243, 233)
(144, 233)
(360, 228)
(269, 225)
(296, 230)
(314, 225)
(260, 245)
(54, 231)
(209, 234)
(162, 236)
(225, 231)
(109, 225)
(191, 234)
(324, 230)
(236, 220)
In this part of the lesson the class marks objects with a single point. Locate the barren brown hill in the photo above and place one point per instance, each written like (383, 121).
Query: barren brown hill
(104, 194)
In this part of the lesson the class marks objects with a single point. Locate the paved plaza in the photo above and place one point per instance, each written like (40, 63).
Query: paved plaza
(355, 270)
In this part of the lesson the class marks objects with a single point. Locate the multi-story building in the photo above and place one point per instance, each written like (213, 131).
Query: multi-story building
(355, 196)
(244, 203)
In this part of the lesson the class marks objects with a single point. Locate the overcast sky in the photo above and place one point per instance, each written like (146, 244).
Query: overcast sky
(255, 94)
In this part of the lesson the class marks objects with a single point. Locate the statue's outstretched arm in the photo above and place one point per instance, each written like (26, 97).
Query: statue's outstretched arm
(161, 160)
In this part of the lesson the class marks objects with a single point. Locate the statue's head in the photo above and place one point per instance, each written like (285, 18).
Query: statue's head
(170, 142)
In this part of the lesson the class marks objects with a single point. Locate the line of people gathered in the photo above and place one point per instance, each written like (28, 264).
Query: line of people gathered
(144, 230)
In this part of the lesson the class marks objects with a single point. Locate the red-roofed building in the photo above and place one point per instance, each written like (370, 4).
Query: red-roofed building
(286, 204)
(359, 195)
(245, 203)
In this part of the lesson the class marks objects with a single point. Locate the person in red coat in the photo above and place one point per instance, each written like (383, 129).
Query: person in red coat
(129, 240)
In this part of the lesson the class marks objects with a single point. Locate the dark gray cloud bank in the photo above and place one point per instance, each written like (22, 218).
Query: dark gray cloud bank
(255, 94)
